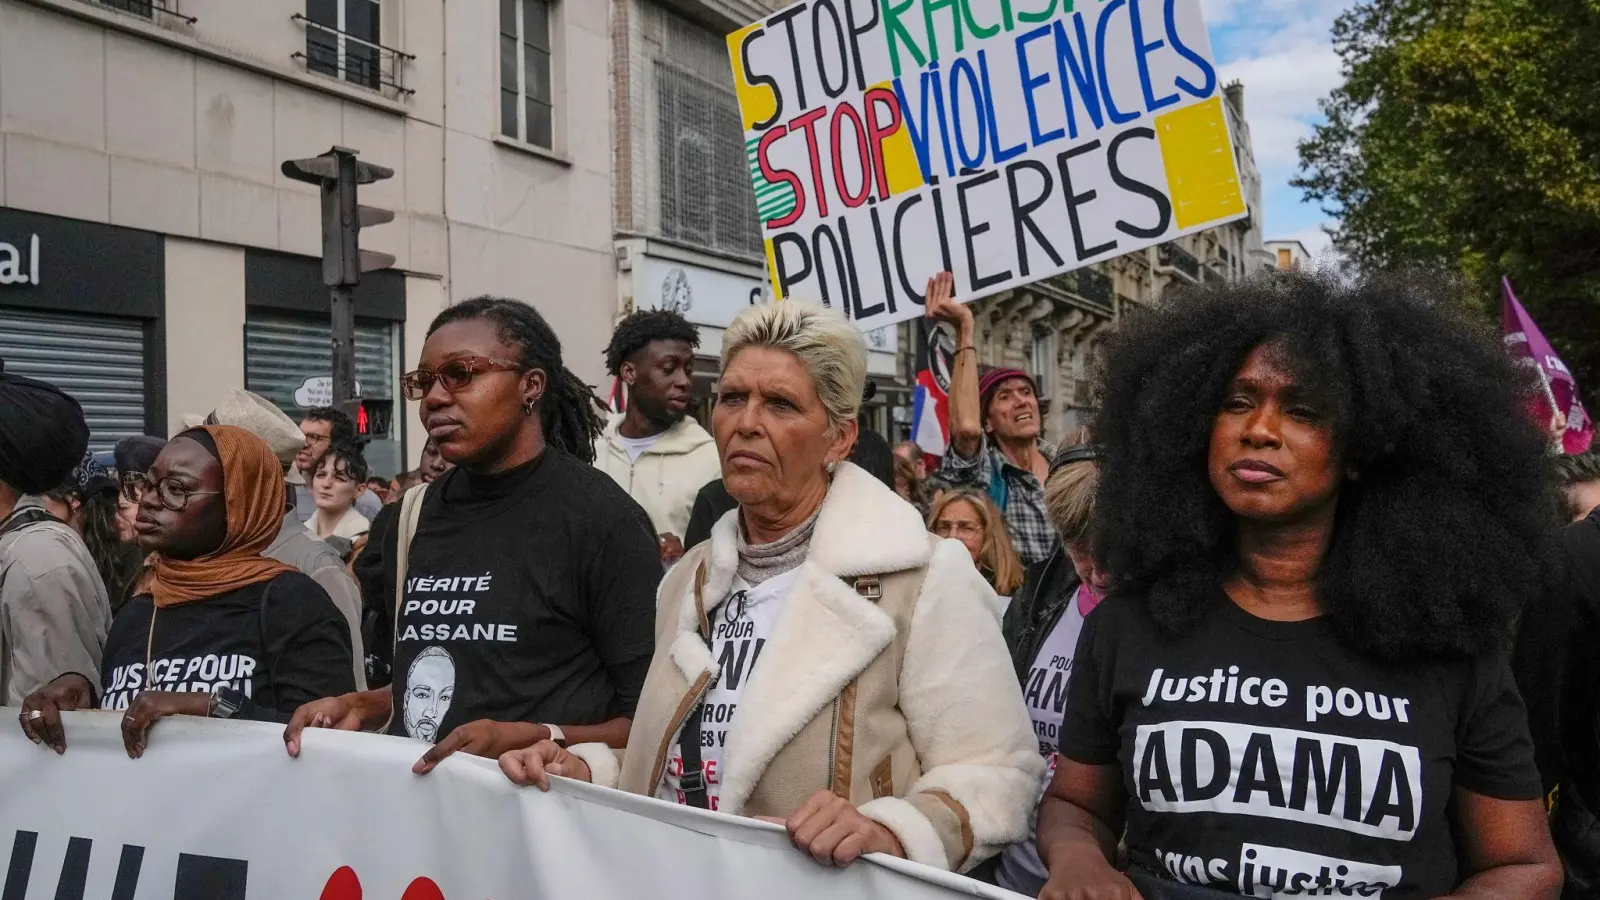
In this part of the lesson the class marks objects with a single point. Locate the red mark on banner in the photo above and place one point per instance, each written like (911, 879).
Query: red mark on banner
(422, 889)
(808, 124)
(342, 885)
(773, 175)
(880, 131)
(846, 111)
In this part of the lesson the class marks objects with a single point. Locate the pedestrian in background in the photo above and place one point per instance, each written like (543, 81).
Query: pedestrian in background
(969, 516)
(136, 455)
(655, 450)
(54, 612)
(88, 501)
(1579, 477)
(341, 478)
(996, 442)
(323, 428)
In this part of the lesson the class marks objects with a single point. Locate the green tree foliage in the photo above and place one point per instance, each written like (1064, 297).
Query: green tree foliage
(1466, 138)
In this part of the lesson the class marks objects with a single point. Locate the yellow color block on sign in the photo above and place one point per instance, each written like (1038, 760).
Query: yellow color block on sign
(757, 103)
(772, 272)
(1201, 175)
(899, 155)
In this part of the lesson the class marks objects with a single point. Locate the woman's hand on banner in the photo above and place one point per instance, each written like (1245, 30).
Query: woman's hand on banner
(152, 705)
(939, 305)
(534, 765)
(835, 833)
(347, 712)
(486, 738)
(42, 709)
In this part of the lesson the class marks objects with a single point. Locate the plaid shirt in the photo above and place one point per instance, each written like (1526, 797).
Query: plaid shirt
(1027, 520)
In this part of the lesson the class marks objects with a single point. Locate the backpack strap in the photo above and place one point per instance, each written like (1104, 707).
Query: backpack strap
(22, 518)
(406, 529)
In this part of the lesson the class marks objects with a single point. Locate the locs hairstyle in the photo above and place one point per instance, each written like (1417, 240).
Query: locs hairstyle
(1444, 530)
(639, 329)
(568, 412)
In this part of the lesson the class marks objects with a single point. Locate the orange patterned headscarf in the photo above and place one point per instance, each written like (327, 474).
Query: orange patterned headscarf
(252, 486)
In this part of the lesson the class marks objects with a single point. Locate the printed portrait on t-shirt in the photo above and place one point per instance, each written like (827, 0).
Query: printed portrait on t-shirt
(430, 685)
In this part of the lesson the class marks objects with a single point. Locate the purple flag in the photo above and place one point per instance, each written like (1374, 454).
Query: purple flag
(1525, 341)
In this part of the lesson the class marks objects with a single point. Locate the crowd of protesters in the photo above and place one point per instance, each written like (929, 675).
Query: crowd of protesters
(1310, 608)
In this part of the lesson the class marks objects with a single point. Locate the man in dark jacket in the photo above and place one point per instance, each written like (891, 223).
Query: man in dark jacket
(1557, 667)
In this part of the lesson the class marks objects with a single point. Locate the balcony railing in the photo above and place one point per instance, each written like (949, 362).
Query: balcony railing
(1212, 276)
(1174, 257)
(340, 54)
(1082, 392)
(1088, 284)
(144, 8)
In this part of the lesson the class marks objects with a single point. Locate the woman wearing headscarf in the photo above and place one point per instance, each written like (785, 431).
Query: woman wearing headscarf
(863, 694)
(215, 629)
(1322, 505)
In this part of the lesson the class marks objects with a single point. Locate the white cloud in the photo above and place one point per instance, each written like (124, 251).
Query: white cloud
(1281, 90)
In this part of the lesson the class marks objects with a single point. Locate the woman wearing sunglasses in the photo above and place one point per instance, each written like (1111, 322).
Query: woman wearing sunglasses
(215, 628)
(515, 597)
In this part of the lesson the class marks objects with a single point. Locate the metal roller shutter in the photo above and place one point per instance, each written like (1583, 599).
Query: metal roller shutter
(96, 359)
(282, 351)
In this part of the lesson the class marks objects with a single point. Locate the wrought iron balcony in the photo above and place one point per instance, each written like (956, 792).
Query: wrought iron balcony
(1172, 256)
(144, 8)
(1082, 392)
(1087, 284)
(340, 54)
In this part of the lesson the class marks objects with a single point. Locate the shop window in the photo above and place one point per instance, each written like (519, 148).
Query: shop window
(527, 100)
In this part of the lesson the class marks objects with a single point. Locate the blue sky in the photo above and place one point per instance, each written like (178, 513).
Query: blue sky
(1283, 52)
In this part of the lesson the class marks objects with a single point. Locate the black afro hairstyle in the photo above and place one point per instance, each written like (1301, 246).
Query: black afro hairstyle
(644, 326)
(1446, 528)
(569, 412)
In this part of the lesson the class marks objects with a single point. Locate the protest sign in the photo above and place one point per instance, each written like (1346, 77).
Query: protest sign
(218, 811)
(1004, 140)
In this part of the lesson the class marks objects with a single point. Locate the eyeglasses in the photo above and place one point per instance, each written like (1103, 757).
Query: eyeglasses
(455, 375)
(949, 529)
(172, 494)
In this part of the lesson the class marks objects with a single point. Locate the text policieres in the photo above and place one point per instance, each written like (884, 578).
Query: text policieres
(863, 254)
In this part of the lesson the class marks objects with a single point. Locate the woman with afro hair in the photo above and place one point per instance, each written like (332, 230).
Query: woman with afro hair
(1323, 506)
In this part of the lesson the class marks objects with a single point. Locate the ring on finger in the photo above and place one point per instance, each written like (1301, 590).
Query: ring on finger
(35, 715)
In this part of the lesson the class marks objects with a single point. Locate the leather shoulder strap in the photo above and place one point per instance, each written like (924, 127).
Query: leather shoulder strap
(406, 529)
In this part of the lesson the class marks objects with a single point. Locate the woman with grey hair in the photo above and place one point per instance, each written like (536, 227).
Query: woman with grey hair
(822, 660)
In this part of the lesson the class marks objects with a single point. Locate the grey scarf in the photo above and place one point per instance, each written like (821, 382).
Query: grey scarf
(759, 562)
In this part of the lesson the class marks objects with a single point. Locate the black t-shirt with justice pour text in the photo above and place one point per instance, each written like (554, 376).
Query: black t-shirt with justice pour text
(281, 643)
(529, 597)
(1270, 759)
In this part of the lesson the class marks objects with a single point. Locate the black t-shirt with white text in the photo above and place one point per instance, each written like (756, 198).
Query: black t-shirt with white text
(282, 643)
(1270, 759)
(529, 597)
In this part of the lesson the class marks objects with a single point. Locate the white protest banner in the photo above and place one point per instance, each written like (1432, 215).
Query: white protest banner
(1004, 140)
(218, 811)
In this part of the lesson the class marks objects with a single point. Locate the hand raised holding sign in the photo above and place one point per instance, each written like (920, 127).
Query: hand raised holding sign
(940, 305)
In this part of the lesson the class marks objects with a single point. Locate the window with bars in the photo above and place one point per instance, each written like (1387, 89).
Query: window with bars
(342, 40)
(706, 196)
(527, 105)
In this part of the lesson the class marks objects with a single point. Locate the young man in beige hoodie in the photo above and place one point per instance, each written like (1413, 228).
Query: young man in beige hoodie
(654, 450)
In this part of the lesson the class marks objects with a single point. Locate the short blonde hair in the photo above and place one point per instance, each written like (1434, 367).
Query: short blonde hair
(830, 349)
(1069, 498)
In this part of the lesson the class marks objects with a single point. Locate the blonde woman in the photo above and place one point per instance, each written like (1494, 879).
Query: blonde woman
(873, 706)
(969, 516)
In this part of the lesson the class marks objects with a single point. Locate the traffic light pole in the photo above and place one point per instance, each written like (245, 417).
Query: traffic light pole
(337, 174)
(344, 350)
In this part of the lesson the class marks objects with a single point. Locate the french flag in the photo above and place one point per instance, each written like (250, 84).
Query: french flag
(618, 401)
(930, 416)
